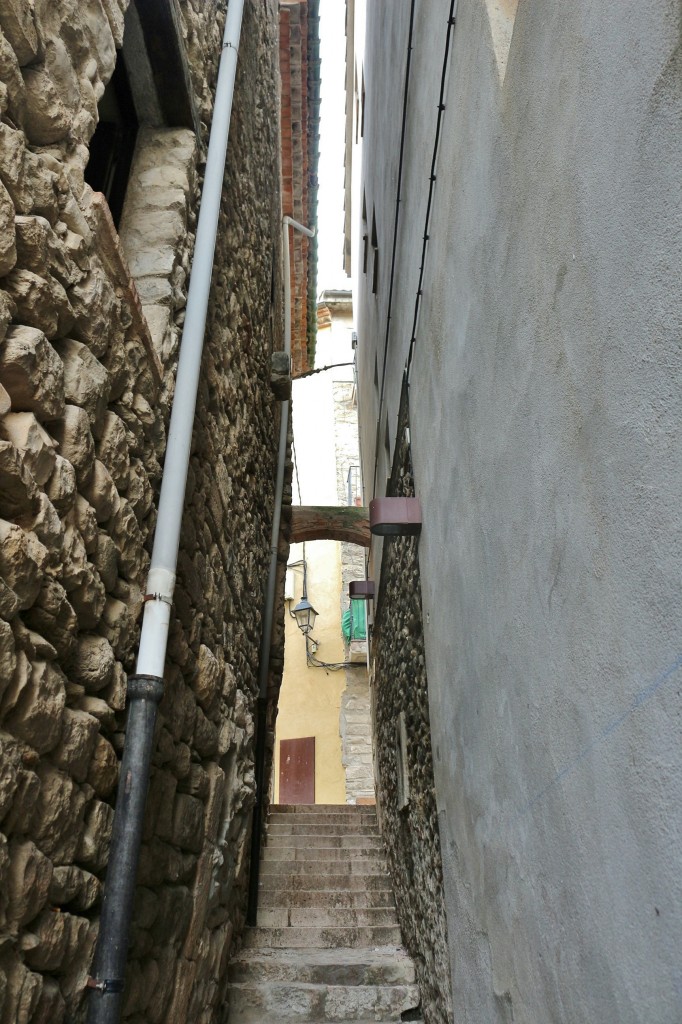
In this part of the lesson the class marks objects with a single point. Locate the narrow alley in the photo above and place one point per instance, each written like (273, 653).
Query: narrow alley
(340, 511)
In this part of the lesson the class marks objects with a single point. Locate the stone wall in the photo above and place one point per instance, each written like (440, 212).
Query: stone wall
(86, 370)
(354, 718)
(408, 811)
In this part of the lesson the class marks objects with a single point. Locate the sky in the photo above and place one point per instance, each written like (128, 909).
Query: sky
(330, 273)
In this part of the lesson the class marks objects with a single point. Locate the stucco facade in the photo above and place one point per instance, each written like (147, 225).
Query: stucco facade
(544, 397)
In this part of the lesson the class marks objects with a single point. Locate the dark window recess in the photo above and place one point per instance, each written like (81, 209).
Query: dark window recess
(375, 249)
(362, 108)
(113, 144)
(365, 239)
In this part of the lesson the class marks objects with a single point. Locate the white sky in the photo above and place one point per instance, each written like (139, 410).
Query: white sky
(330, 273)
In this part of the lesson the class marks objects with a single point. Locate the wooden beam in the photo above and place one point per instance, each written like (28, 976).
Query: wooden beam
(330, 522)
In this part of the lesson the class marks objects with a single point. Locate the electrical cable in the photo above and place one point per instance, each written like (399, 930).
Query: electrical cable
(395, 237)
(432, 181)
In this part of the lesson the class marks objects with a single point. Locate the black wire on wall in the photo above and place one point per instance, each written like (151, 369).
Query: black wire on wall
(408, 63)
(432, 180)
(425, 237)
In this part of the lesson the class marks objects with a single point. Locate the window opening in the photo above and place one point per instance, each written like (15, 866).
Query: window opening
(365, 238)
(113, 143)
(354, 486)
(375, 262)
(357, 103)
(402, 773)
(362, 108)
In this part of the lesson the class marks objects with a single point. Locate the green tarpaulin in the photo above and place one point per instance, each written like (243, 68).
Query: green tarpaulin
(354, 623)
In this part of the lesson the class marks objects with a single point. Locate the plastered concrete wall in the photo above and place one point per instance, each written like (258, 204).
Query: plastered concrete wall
(545, 404)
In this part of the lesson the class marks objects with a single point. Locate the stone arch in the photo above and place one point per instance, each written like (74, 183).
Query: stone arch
(330, 522)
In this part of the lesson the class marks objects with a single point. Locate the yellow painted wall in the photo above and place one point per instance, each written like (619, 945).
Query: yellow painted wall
(310, 698)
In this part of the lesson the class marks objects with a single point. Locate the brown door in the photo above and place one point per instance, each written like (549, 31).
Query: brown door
(297, 771)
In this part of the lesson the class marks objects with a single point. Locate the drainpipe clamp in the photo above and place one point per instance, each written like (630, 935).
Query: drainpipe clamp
(145, 687)
(156, 597)
(108, 985)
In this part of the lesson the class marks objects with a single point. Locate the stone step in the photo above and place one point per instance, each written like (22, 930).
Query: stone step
(361, 899)
(381, 1020)
(318, 809)
(306, 1002)
(387, 965)
(321, 938)
(307, 828)
(325, 842)
(318, 880)
(363, 817)
(325, 917)
(336, 861)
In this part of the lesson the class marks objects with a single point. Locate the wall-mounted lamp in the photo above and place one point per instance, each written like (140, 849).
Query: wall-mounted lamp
(305, 615)
(395, 517)
(362, 590)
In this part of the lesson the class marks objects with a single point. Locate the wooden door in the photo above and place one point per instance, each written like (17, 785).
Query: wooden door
(297, 771)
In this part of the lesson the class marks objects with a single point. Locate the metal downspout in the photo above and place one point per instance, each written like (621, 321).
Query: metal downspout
(268, 614)
(145, 688)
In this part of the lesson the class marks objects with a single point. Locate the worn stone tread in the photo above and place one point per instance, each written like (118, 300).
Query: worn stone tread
(325, 937)
(320, 808)
(307, 828)
(349, 821)
(381, 965)
(326, 841)
(322, 917)
(359, 899)
(341, 865)
(330, 881)
(311, 847)
(322, 1020)
(306, 1001)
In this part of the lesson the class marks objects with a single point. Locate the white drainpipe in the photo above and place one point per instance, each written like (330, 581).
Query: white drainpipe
(145, 688)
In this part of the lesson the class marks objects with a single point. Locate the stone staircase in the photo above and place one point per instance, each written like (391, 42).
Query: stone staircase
(327, 946)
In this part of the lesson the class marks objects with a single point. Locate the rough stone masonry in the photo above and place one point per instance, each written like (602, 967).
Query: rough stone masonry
(406, 790)
(89, 328)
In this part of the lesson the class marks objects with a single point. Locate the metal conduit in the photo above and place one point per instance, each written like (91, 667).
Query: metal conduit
(268, 615)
